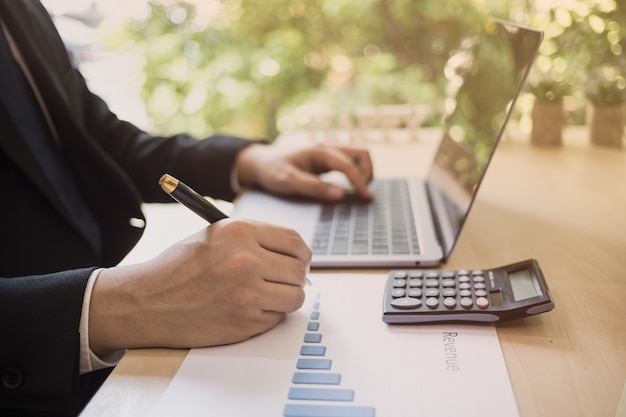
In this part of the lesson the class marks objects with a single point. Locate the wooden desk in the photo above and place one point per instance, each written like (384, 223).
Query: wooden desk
(565, 207)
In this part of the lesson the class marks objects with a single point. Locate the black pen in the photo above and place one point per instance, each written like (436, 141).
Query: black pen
(189, 198)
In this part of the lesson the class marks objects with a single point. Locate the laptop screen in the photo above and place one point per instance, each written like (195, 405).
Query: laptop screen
(485, 76)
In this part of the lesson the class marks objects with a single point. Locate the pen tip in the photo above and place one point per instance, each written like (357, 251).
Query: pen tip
(168, 183)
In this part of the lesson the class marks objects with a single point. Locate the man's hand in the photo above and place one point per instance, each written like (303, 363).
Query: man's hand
(288, 171)
(231, 281)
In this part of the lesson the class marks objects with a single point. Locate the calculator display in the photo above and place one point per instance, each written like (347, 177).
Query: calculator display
(523, 285)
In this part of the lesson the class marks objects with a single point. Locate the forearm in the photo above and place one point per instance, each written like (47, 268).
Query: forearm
(89, 361)
(121, 314)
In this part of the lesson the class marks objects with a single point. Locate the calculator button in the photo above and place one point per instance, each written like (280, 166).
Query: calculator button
(466, 302)
(482, 302)
(432, 292)
(447, 274)
(448, 292)
(465, 293)
(432, 283)
(464, 286)
(477, 272)
(462, 272)
(479, 286)
(398, 292)
(432, 302)
(448, 283)
(399, 283)
(432, 274)
(415, 282)
(478, 279)
(416, 274)
(449, 302)
(463, 278)
(415, 292)
(480, 293)
(399, 274)
(406, 303)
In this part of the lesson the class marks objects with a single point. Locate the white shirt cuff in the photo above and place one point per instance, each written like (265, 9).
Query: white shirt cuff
(89, 361)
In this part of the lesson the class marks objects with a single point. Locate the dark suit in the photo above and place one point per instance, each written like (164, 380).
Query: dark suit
(45, 259)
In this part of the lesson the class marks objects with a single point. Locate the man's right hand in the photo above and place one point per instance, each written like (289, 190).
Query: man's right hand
(231, 281)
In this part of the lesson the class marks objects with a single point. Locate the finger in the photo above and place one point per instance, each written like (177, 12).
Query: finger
(355, 164)
(286, 257)
(284, 241)
(281, 298)
(264, 321)
(362, 160)
(309, 184)
(283, 269)
(272, 318)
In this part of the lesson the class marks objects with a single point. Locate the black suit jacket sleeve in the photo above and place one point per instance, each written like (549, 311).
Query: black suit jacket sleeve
(39, 351)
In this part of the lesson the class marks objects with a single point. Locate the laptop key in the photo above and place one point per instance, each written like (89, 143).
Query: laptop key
(383, 227)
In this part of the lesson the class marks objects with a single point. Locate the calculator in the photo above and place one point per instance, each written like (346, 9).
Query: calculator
(480, 295)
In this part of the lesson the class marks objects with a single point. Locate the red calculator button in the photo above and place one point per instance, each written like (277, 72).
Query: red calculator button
(482, 302)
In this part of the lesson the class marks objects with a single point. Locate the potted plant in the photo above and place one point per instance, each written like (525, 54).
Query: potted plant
(606, 116)
(548, 113)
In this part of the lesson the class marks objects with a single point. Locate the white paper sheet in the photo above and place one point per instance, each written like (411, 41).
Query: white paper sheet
(391, 370)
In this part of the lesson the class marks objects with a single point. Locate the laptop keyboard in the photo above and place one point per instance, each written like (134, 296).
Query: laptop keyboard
(381, 227)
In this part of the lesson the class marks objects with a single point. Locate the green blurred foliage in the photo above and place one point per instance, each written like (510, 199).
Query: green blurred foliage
(245, 67)
(248, 67)
(583, 51)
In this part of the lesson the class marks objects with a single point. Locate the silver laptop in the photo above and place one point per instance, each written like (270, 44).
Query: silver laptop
(415, 222)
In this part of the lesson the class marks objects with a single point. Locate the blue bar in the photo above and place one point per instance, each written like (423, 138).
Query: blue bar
(305, 410)
(315, 350)
(314, 364)
(312, 338)
(315, 378)
(321, 394)
(315, 315)
(313, 326)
